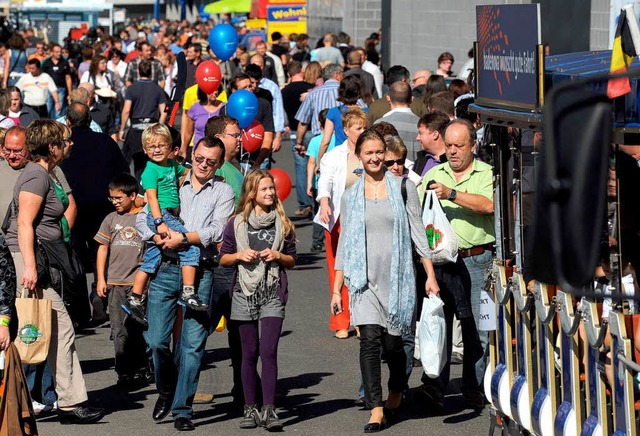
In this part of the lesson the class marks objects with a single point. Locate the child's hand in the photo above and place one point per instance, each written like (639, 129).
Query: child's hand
(101, 289)
(163, 230)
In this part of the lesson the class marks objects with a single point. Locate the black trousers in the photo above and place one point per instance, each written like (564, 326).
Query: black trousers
(455, 291)
(373, 339)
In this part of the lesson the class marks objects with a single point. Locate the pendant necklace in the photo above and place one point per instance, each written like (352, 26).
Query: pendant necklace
(375, 190)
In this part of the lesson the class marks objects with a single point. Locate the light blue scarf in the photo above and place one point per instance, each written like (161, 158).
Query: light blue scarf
(402, 292)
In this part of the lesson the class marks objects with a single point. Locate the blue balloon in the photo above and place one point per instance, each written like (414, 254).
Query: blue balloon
(243, 106)
(223, 40)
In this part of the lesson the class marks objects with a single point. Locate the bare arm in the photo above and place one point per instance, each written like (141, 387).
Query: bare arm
(188, 127)
(154, 208)
(474, 202)
(163, 114)
(72, 211)
(101, 268)
(326, 137)
(69, 83)
(29, 207)
(124, 117)
(265, 149)
(311, 171)
(301, 131)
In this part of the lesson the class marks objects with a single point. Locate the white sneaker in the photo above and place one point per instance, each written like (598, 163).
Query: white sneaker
(37, 407)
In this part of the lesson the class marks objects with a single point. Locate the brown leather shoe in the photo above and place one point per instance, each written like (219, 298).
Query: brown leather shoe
(200, 398)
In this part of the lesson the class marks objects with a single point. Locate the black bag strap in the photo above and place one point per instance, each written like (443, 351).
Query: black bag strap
(16, 63)
(403, 190)
(7, 218)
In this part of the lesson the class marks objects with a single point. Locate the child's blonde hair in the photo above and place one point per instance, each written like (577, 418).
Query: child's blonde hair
(156, 132)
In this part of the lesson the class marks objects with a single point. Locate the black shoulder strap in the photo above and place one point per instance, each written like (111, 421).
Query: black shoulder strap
(13, 67)
(403, 190)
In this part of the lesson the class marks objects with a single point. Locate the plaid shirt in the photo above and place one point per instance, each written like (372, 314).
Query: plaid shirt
(157, 72)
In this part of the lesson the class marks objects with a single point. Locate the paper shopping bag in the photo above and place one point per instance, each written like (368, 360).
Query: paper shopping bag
(34, 329)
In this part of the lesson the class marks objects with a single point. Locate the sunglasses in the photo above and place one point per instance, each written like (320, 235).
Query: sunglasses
(390, 163)
(202, 159)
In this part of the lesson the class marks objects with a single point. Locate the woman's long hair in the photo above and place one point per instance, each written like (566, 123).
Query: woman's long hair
(248, 196)
(94, 69)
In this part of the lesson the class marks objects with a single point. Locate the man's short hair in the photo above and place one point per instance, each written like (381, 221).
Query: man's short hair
(197, 47)
(78, 114)
(397, 73)
(144, 68)
(354, 58)
(208, 142)
(34, 61)
(441, 101)
(435, 121)
(254, 71)
(330, 70)
(14, 131)
(79, 95)
(400, 93)
(124, 183)
(294, 67)
(276, 36)
(217, 125)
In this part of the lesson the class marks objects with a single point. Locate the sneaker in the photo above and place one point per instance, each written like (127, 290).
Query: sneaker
(191, 301)
(270, 420)
(306, 211)
(136, 310)
(38, 408)
(251, 417)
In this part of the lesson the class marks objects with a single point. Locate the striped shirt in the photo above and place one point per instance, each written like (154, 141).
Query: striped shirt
(205, 212)
(277, 105)
(132, 75)
(318, 99)
(406, 123)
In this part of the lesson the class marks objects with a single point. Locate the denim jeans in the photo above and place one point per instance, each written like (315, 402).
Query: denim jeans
(301, 171)
(40, 382)
(153, 255)
(51, 106)
(265, 165)
(477, 267)
(177, 373)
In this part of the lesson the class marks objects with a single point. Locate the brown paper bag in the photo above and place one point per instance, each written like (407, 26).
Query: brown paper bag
(34, 328)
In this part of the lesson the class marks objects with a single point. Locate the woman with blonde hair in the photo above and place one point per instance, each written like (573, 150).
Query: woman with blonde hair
(313, 74)
(339, 169)
(260, 243)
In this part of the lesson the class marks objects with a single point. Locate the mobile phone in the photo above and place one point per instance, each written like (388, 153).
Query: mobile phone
(335, 308)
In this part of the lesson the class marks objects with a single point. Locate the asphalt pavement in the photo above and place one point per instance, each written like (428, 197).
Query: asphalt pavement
(319, 375)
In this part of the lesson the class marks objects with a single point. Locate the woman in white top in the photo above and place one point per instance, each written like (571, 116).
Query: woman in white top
(339, 169)
(98, 74)
(116, 65)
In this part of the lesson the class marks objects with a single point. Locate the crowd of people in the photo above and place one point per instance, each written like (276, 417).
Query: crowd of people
(179, 228)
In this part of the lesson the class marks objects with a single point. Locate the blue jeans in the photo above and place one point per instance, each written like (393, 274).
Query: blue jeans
(51, 106)
(477, 267)
(153, 255)
(40, 382)
(177, 373)
(301, 172)
(265, 165)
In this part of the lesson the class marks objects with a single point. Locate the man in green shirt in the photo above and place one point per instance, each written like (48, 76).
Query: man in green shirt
(226, 129)
(464, 186)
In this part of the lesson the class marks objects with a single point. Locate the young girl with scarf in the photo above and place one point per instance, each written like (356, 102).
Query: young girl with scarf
(374, 259)
(260, 243)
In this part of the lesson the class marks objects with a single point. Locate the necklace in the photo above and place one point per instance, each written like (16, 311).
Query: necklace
(375, 189)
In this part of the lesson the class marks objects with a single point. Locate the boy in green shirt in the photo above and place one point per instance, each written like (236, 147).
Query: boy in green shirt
(160, 182)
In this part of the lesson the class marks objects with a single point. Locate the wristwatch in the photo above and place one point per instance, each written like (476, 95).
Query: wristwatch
(453, 195)
(184, 241)
(158, 221)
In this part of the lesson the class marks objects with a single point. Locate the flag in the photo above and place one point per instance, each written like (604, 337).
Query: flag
(621, 56)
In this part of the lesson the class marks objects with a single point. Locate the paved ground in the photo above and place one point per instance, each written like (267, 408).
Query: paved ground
(318, 374)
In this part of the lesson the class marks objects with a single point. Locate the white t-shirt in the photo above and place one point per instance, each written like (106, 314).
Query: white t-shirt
(119, 69)
(36, 89)
(100, 81)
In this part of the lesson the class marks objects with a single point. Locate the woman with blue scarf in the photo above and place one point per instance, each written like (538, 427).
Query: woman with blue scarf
(374, 259)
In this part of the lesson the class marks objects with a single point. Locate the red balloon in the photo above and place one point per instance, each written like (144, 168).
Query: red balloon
(283, 183)
(208, 76)
(252, 136)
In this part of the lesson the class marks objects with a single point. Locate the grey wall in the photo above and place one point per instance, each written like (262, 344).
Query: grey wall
(599, 34)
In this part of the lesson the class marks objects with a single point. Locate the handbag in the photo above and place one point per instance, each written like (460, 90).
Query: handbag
(442, 239)
(34, 328)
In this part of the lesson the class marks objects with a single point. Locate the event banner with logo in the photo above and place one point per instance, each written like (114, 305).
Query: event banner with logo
(287, 19)
(507, 55)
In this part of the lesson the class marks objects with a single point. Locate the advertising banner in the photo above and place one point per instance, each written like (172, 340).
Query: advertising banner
(287, 19)
(507, 57)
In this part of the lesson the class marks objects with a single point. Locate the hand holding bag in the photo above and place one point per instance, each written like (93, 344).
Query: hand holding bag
(440, 234)
(34, 328)
(433, 336)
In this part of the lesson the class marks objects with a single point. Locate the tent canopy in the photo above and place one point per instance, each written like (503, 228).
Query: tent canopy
(228, 6)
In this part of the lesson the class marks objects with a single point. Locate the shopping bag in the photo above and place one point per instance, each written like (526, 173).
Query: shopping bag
(440, 235)
(433, 336)
(34, 328)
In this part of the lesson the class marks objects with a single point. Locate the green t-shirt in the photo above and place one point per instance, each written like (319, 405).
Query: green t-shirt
(164, 179)
(472, 228)
(232, 177)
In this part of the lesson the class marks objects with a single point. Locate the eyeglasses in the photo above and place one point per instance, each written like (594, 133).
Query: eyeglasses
(390, 163)
(157, 147)
(202, 159)
(116, 200)
(8, 152)
(234, 135)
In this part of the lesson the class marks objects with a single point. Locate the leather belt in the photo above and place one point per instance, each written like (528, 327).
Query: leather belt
(474, 251)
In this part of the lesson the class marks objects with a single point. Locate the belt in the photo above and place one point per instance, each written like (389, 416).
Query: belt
(474, 251)
(142, 123)
(171, 260)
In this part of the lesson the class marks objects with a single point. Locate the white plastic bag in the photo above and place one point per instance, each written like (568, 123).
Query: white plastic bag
(441, 236)
(433, 336)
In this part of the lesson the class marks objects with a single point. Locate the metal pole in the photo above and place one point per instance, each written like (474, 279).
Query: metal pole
(156, 10)
(183, 10)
